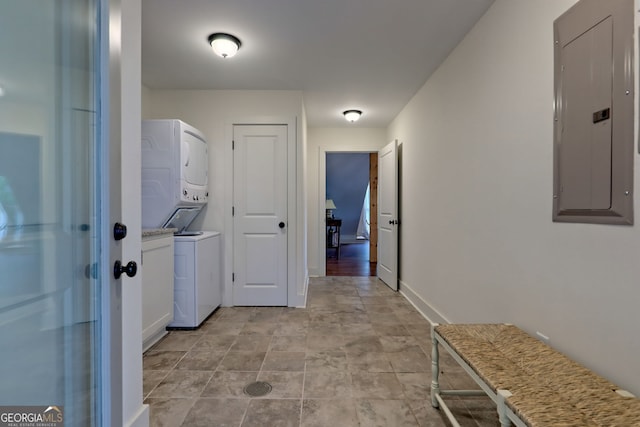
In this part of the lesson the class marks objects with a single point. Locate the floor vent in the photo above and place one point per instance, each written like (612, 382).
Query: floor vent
(257, 389)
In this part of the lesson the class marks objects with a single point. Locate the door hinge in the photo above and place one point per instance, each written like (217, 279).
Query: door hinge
(233, 277)
(233, 145)
(233, 211)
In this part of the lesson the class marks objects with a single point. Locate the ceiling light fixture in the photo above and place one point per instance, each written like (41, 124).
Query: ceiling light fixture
(352, 115)
(224, 45)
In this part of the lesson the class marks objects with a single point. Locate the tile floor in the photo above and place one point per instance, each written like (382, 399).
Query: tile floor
(358, 355)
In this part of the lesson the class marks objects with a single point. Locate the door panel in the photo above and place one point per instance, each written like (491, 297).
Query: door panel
(260, 208)
(388, 215)
(585, 151)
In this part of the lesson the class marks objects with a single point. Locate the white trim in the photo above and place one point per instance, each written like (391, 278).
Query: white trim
(141, 419)
(423, 307)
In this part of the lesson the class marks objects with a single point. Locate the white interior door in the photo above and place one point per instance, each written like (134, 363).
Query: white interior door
(388, 215)
(260, 215)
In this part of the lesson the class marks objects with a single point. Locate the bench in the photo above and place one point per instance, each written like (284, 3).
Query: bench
(531, 383)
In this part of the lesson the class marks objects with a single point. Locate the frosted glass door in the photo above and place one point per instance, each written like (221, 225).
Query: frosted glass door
(50, 305)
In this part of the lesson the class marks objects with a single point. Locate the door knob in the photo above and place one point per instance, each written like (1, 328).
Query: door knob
(130, 269)
(119, 231)
(281, 225)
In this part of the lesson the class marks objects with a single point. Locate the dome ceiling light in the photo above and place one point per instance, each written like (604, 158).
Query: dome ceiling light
(224, 45)
(352, 115)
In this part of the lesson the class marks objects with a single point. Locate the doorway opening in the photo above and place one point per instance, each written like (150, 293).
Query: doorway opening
(351, 216)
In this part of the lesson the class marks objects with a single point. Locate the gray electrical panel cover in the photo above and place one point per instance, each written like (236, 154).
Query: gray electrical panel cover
(594, 118)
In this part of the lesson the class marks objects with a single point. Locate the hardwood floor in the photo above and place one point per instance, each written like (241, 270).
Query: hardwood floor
(354, 261)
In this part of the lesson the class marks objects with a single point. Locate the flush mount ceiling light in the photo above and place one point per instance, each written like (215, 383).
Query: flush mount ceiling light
(352, 115)
(224, 45)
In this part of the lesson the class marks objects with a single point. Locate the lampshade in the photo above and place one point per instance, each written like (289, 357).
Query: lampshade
(352, 115)
(329, 204)
(224, 45)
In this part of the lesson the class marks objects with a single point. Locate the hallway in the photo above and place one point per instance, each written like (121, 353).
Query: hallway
(358, 355)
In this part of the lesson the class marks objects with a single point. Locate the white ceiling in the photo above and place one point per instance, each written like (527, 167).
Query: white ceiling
(371, 55)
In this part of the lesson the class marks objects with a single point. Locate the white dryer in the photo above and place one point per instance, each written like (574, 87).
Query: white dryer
(197, 278)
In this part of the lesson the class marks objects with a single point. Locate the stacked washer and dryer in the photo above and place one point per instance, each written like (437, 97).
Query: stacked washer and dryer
(174, 190)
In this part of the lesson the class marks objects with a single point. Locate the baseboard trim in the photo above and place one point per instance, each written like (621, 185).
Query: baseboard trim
(306, 293)
(426, 309)
(314, 272)
(141, 419)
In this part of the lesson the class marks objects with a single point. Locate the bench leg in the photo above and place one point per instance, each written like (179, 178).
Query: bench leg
(502, 408)
(435, 368)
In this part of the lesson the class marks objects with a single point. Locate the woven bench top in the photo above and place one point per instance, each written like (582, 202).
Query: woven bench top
(548, 388)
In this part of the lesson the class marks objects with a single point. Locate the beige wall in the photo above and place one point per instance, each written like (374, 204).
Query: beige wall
(320, 141)
(477, 240)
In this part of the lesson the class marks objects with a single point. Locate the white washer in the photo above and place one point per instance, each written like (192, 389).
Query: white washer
(197, 278)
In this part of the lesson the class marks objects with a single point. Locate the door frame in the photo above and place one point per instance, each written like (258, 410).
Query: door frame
(322, 194)
(110, 134)
(293, 294)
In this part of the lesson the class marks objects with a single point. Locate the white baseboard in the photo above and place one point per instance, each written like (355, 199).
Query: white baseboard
(314, 272)
(430, 313)
(141, 419)
(306, 293)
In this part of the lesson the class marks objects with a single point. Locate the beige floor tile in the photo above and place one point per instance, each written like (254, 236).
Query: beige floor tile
(182, 384)
(329, 412)
(238, 314)
(285, 385)
(273, 413)
(294, 315)
(289, 343)
(214, 343)
(242, 361)
(178, 341)
(150, 379)
(229, 384)
(390, 330)
(292, 361)
(359, 329)
(376, 385)
(385, 413)
(266, 315)
(201, 360)
(327, 385)
(369, 362)
(251, 343)
(158, 360)
(393, 344)
(410, 361)
(292, 328)
(320, 361)
(166, 412)
(359, 355)
(222, 328)
(416, 385)
(208, 412)
(255, 328)
(363, 344)
(379, 309)
(325, 342)
(428, 416)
